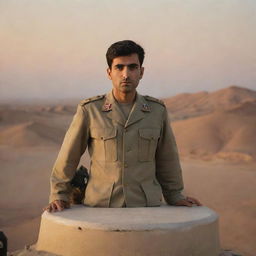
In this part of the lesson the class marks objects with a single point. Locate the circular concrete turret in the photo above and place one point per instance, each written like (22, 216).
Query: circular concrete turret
(143, 231)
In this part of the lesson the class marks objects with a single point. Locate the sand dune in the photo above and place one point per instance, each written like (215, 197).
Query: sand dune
(186, 105)
(10, 116)
(225, 134)
(219, 124)
(30, 134)
(25, 126)
(209, 126)
(16, 114)
(245, 108)
(58, 109)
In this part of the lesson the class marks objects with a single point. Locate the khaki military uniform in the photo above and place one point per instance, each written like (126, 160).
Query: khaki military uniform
(133, 161)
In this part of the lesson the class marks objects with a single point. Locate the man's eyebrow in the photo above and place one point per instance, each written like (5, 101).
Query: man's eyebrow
(132, 65)
(119, 65)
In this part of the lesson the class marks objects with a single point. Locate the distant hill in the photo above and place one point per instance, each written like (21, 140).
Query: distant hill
(31, 134)
(23, 126)
(224, 124)
(187, 105)
(206, 125)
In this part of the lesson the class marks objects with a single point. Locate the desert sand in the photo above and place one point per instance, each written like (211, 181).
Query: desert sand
(215, 134)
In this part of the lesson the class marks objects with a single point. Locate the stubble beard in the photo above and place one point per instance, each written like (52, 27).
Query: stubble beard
(127, 88)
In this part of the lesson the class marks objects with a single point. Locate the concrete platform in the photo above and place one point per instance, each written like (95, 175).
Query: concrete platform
(147, 231)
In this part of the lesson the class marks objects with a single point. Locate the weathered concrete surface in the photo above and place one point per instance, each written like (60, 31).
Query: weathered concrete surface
(146, 231)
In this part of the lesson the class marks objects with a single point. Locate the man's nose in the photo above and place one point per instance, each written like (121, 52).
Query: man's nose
(125, 73)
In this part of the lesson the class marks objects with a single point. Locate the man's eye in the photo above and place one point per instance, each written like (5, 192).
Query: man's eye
(132, 67)
(119, 67)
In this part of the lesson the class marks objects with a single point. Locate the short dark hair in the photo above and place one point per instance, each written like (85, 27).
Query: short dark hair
(124, 48)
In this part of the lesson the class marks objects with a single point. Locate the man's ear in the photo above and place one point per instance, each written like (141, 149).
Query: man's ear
(109, 73)
(141, 72)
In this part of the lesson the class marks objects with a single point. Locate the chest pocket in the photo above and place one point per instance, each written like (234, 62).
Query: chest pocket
(104, 144)
(148, 139)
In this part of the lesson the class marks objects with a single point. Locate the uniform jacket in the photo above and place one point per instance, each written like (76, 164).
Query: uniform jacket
(138, 155)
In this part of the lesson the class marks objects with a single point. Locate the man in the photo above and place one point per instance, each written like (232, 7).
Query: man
(134, 158)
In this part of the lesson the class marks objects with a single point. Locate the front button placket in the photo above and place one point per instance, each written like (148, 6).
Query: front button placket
(125, 164)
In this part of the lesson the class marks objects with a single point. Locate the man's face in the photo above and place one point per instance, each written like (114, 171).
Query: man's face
(125, 73)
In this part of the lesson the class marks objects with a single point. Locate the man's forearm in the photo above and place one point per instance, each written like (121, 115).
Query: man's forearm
(74, 145)
(168, 169)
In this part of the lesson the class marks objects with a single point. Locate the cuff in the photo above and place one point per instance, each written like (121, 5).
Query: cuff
(61, 197)
(174, 198)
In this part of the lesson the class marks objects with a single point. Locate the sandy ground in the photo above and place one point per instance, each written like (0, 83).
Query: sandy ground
(24, 190)
(228, 188)
(30, 138)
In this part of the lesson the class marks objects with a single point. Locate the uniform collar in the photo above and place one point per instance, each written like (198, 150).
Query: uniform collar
(113, 110)
(110, 101)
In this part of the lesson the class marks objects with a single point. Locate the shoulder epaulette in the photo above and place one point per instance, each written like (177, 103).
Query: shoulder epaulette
(154, 99)
(86, 101)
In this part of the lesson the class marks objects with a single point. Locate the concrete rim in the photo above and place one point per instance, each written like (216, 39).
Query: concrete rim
(133, 219)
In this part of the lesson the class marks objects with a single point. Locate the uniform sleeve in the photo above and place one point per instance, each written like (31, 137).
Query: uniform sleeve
(73, 147)
(168, 169)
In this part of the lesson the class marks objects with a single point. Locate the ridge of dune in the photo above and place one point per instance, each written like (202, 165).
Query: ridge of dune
(245, 108)
(233, 94)
(208, 113)
(12, 116)
(224, 134)
(186, 105)
(20, 114)
(218, 124)
(30, 133)
(58, 109)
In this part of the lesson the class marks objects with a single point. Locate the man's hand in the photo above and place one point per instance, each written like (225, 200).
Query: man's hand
(188, 201)
(57, 205)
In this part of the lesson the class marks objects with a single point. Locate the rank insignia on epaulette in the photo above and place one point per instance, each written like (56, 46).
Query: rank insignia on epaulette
(107, 107)
(145, 108)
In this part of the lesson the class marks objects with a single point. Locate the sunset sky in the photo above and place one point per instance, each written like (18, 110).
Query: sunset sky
(56, 48)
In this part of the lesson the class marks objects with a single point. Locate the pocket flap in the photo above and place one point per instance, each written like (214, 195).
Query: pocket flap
(103, 134)
(109, 134)
(150, 134)
(97, 133)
